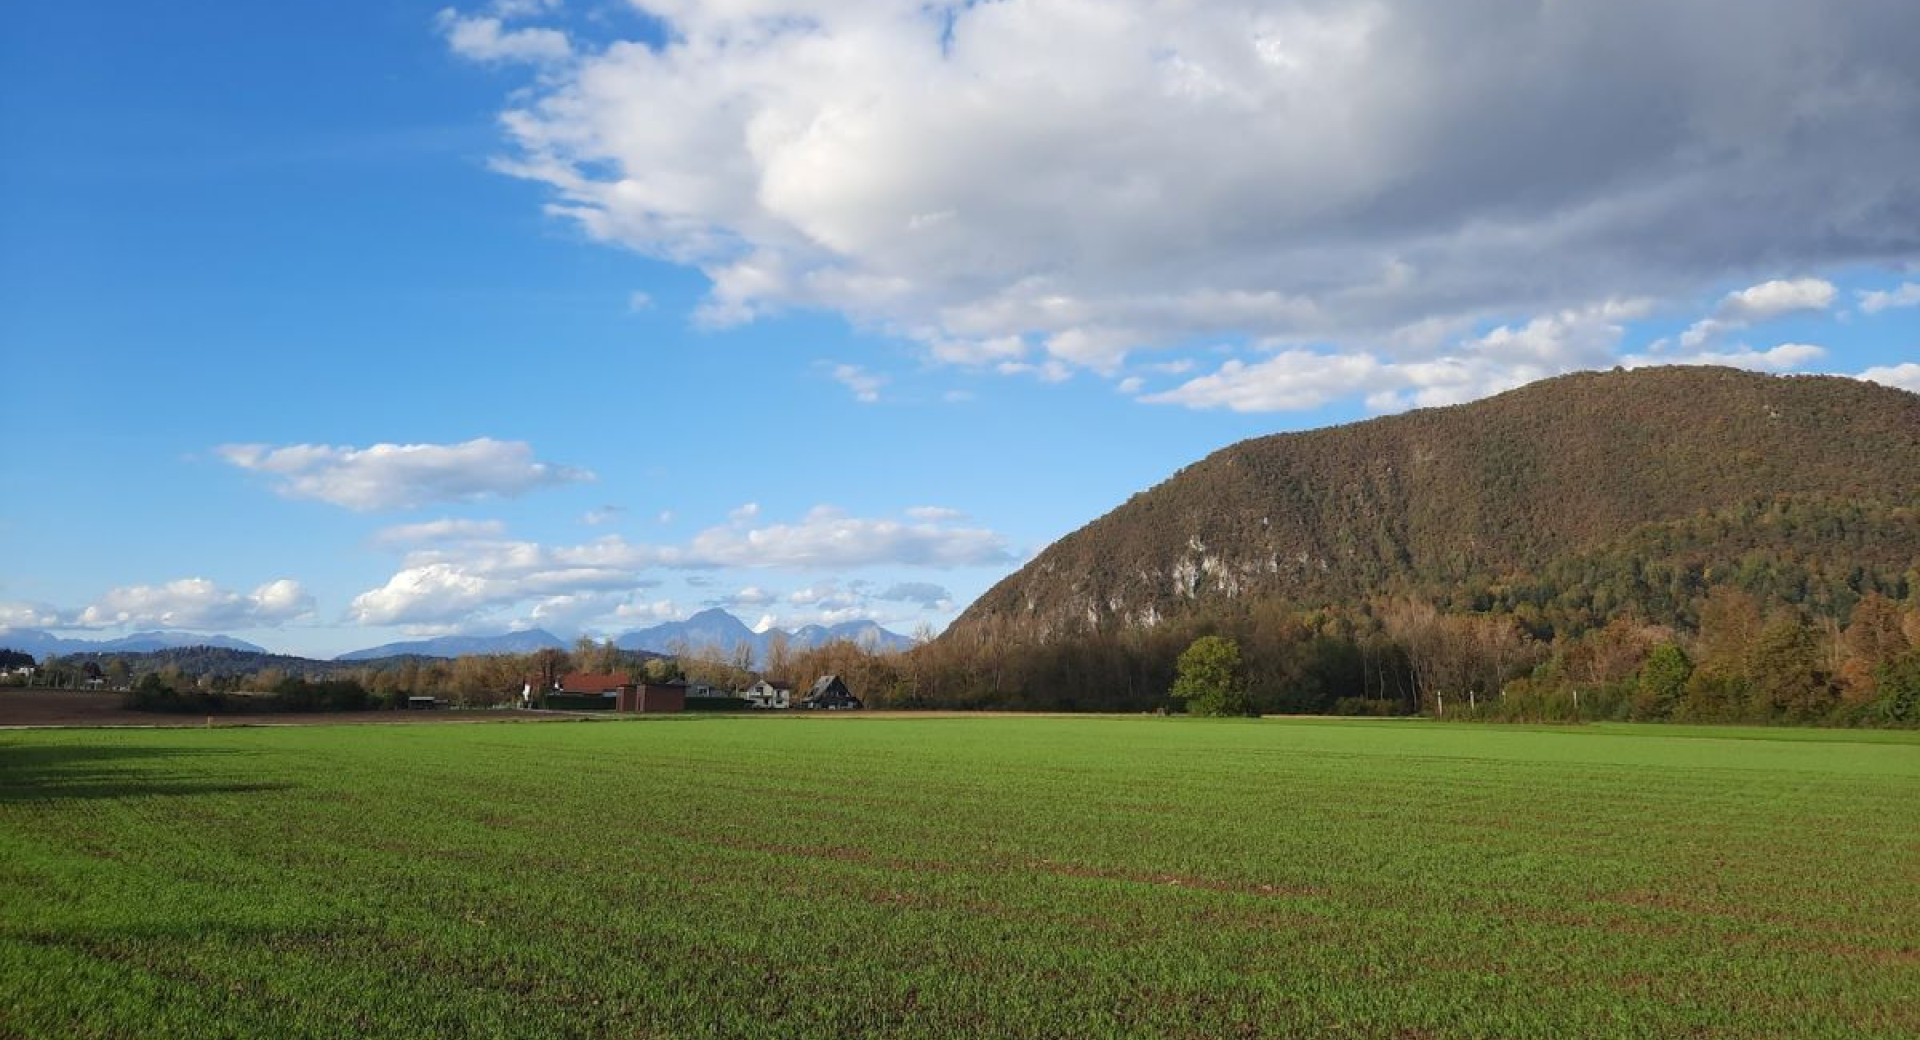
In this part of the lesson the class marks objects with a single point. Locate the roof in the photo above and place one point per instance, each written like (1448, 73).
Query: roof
(829, 685)
(592, 682)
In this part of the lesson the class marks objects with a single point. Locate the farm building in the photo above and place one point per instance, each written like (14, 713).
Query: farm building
(617, 693)
(653, 697)
(830, 693)
(764, 694)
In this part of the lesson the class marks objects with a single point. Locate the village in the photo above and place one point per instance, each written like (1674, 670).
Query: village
(594, 691)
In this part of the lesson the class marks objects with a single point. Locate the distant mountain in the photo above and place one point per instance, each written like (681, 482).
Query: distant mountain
(716, 627)
(1569, 501)
(41, 643)
(707, 628)
(523, 642)
(863, 633)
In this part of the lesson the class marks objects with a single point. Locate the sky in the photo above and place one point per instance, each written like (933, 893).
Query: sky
(329, 324)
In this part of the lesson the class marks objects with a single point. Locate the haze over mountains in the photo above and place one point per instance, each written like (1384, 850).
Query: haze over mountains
(1592, 494)
(709, 628)
(41, 643)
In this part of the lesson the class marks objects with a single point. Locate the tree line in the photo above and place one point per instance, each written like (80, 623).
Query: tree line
(1745, 659)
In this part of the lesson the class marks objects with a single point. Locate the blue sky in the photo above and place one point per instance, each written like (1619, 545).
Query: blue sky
(333, 324)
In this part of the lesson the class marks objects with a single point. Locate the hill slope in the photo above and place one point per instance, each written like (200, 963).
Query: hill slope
(1686, 472)
(521, 642)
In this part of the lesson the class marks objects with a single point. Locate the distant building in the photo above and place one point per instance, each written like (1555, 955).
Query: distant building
(620, 693)
(764, 694)
(653, 698)
(829, 693)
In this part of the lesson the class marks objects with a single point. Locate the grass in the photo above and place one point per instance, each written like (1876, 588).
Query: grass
(1003, 877)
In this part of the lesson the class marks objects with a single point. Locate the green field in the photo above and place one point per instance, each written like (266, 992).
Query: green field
(978, 877)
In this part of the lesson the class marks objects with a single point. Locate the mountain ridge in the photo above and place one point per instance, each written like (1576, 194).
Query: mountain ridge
(716, 627)
(1467, 500)
(40, 643)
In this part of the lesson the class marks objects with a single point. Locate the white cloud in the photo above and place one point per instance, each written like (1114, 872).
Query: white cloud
(638, 301)
(431, 531)
(1053, 370)
(653, 611)
(829, 540)
(602, 515)
(572, 610)
(1760, 303)
(29, 615)
(1787, 357)
(744, 513)
(1904, 376)
(864, 384)
(1774, 299)
(1093, 180)
(934, 514)
(401, 476)
(977, 351)
(751, 596)
(457, 582)
(488, 40)
(1503, 358)
(826, 595)
(197, 604)
(423, 595)
(1875, 301)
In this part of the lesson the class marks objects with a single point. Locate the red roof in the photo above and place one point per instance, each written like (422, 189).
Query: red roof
(590, 682)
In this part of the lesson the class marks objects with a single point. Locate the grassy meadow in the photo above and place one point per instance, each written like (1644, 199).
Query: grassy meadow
(959, 877)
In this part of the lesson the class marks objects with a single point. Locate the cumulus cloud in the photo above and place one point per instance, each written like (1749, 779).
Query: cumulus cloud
(196, 604)
(29, 615)
(827, 539)
(751, 596)
(402, 476)
(660, 609)
(1501, 359)
(430, 591)
(1875, 301)
(455, 582)
(1760, 303)
(1787, 357)
(487, 39)
(431, 531)
(1022, 182)
(1903, 376)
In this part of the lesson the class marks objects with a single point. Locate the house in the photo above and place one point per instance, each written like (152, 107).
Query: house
(831, 694)
(764, 694)
(619, 693)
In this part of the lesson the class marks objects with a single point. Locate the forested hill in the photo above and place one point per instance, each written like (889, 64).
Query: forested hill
(1574, 499)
